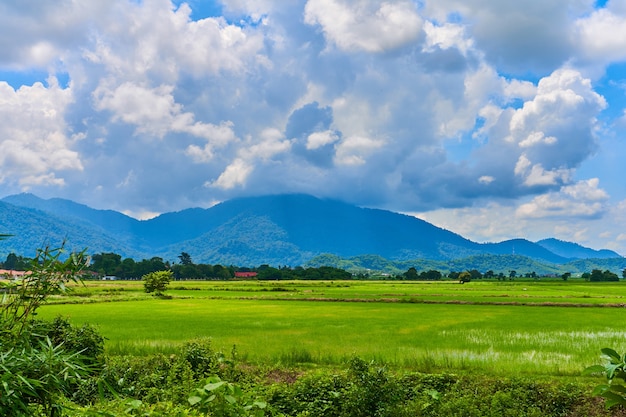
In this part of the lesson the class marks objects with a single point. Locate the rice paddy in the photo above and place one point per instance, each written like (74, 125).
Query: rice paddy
(513, 328)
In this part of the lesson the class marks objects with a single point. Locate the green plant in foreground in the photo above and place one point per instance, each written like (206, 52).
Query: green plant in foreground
(225, 399)
(614, 369)
(35, 372)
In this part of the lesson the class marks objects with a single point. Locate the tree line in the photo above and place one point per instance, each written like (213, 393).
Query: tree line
(112, 264)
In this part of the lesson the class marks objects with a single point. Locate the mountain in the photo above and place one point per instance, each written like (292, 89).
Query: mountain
(574, 250)
(277, 230)
(31, 229)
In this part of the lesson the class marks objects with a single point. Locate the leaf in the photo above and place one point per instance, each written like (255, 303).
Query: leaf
(610, 370)
(194, 399)
(134, 404)
(613, 399)
(213, 386)
(260, 404)
(434, 394)
(613, 355)
(618, 388)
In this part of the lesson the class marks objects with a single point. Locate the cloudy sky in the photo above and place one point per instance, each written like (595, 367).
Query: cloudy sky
(494, 119)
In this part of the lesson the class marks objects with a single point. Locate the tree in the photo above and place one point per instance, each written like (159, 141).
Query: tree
(624, 273)
(599, 276)
(566, 276)
(185, 258)
(106, 263)
(411, 274)
(512, 274)
(465, 277)
(11, 261)
(431, 275)
(157, 282)
(475, 274)
(127, 268)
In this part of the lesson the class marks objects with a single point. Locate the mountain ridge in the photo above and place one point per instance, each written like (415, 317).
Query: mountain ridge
(287, 229)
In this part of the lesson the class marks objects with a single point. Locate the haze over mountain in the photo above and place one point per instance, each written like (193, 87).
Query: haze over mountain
(278, 230)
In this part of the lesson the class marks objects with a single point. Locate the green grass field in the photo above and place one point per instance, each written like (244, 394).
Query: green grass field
(520, 328)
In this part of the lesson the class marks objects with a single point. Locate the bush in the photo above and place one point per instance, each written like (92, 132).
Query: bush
(157, 282)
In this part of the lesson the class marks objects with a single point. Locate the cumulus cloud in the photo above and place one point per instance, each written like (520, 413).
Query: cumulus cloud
(534, 36)
(583, 199)
(318, 139)
(476, 106)
(601, 36)
(155, 113)
(35, 144)
(157, 40)
(42, 35)
(234, 175)
(446, 36)
(365, 25)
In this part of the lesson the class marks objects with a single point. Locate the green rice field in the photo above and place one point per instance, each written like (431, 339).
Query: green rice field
(550, 328)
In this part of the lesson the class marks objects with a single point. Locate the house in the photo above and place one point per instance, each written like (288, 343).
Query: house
(8, 273)
(241, 274)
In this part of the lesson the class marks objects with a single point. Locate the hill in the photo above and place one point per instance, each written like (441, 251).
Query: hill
(277, 230)
(574, 250)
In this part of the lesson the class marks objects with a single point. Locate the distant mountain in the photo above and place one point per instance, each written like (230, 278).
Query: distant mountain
(574, 250)
(32, 229)
(276, 230)
(497, 263)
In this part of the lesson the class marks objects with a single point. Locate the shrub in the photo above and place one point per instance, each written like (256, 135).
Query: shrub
(157, 282)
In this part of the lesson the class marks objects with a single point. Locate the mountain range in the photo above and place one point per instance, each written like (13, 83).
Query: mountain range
(291, 229)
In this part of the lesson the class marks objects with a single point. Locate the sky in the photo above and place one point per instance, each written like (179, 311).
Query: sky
(493, 119)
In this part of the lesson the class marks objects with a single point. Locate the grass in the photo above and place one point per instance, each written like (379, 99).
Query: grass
(294, 322)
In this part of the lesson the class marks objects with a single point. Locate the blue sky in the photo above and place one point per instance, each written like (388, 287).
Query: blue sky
(492, 119)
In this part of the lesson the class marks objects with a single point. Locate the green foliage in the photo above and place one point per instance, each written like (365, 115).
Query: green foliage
(225, 399)
(614, 391)
(163, 377)
(599, 276)
(48, 275)
(38, 374)
(42, 363)
(464, 277)
(369, 390)
(157, 282)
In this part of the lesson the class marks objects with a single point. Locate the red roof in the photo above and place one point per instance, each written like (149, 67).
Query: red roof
(239, 274)
(11, 272)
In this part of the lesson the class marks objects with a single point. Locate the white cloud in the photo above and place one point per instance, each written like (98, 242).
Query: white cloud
(154, 39)
(234, 175)
(399, 104)
(536, 35)
(486, 179)
(365, 25)
(155, 112)
(536, 138)
(271, 142)
(318, 139)
(446, 36)
(583, 199)
(354, 150)
(602, 35)
(35, 145)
